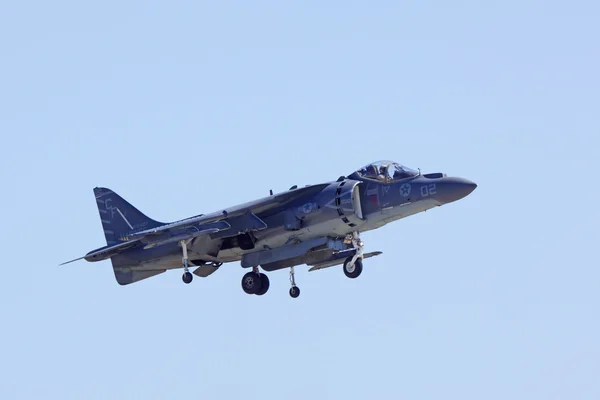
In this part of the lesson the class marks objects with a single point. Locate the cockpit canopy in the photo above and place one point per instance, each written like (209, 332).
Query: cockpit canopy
(386, 171)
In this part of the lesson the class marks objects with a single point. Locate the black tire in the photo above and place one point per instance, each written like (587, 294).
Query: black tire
(251, 283)
(264, 285)
(187, 277)
(356, 271)
(294, 291)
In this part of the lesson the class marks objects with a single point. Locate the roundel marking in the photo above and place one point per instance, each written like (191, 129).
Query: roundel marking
(405, 189)
(307, 208)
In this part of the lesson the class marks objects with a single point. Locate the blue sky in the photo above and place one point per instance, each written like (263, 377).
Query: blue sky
(187, 107)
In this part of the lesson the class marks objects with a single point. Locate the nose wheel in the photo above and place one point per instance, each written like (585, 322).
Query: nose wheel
(353, 265)
(353, 269)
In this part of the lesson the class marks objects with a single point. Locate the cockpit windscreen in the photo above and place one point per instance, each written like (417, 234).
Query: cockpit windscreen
(386, 171)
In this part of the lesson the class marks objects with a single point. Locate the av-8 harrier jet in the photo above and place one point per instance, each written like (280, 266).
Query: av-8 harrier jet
(317, 225)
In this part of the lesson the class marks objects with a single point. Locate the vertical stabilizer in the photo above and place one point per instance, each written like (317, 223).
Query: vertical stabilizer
(119, 218)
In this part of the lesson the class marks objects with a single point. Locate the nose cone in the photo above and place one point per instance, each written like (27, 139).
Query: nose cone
(452, 189)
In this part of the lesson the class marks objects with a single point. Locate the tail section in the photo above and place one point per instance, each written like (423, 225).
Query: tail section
(119, 218)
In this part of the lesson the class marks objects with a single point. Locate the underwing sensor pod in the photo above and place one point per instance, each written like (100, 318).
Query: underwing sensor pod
(317, 225)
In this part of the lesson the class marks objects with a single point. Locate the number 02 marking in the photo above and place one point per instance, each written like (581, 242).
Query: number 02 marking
(428, 190)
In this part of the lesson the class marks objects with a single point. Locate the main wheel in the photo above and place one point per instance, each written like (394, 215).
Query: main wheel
(264, 284)
(187, 277)
(354, 270)
(294, 291)
(251, 283)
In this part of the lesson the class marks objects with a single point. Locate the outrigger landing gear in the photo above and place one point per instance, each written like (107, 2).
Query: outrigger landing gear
(294, 290)
(187, 276)
(353, 265)
(255, 282)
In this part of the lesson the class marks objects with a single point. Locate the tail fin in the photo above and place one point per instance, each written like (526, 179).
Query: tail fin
(119, 218)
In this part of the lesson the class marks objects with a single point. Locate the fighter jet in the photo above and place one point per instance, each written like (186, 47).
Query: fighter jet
(317, 225)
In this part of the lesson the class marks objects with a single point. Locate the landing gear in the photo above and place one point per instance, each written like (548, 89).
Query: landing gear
(294, 290)
(353, 265)
(187, 277)
(352, 269)
(251, 282)
(255, 282)
(264, 284)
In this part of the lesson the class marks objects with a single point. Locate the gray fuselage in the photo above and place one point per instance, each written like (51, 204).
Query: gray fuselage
(355, 204)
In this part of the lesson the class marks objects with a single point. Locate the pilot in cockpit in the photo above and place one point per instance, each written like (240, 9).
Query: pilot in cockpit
(386, 171)
(382, 173)
(371, 172)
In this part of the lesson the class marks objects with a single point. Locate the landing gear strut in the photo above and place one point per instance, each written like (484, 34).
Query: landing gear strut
(294, 290)
(353, 265)
(187, 276)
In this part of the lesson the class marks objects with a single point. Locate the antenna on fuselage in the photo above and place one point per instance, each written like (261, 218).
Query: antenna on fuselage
(271, 192)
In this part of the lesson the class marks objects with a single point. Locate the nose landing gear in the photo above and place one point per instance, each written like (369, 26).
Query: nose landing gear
(353, 265)
(353, 269)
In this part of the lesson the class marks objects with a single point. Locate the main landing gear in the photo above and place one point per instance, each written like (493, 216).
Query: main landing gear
(353, 265)
(255, 282)
(187, 276)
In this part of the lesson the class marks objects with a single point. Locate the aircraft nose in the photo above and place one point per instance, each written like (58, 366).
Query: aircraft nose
(455, 189)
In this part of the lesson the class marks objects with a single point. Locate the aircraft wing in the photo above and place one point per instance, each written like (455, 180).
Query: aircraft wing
(241, 218)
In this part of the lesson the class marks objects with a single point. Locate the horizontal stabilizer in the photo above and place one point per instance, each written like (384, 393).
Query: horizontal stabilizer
(339, 261)
(126, 275)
